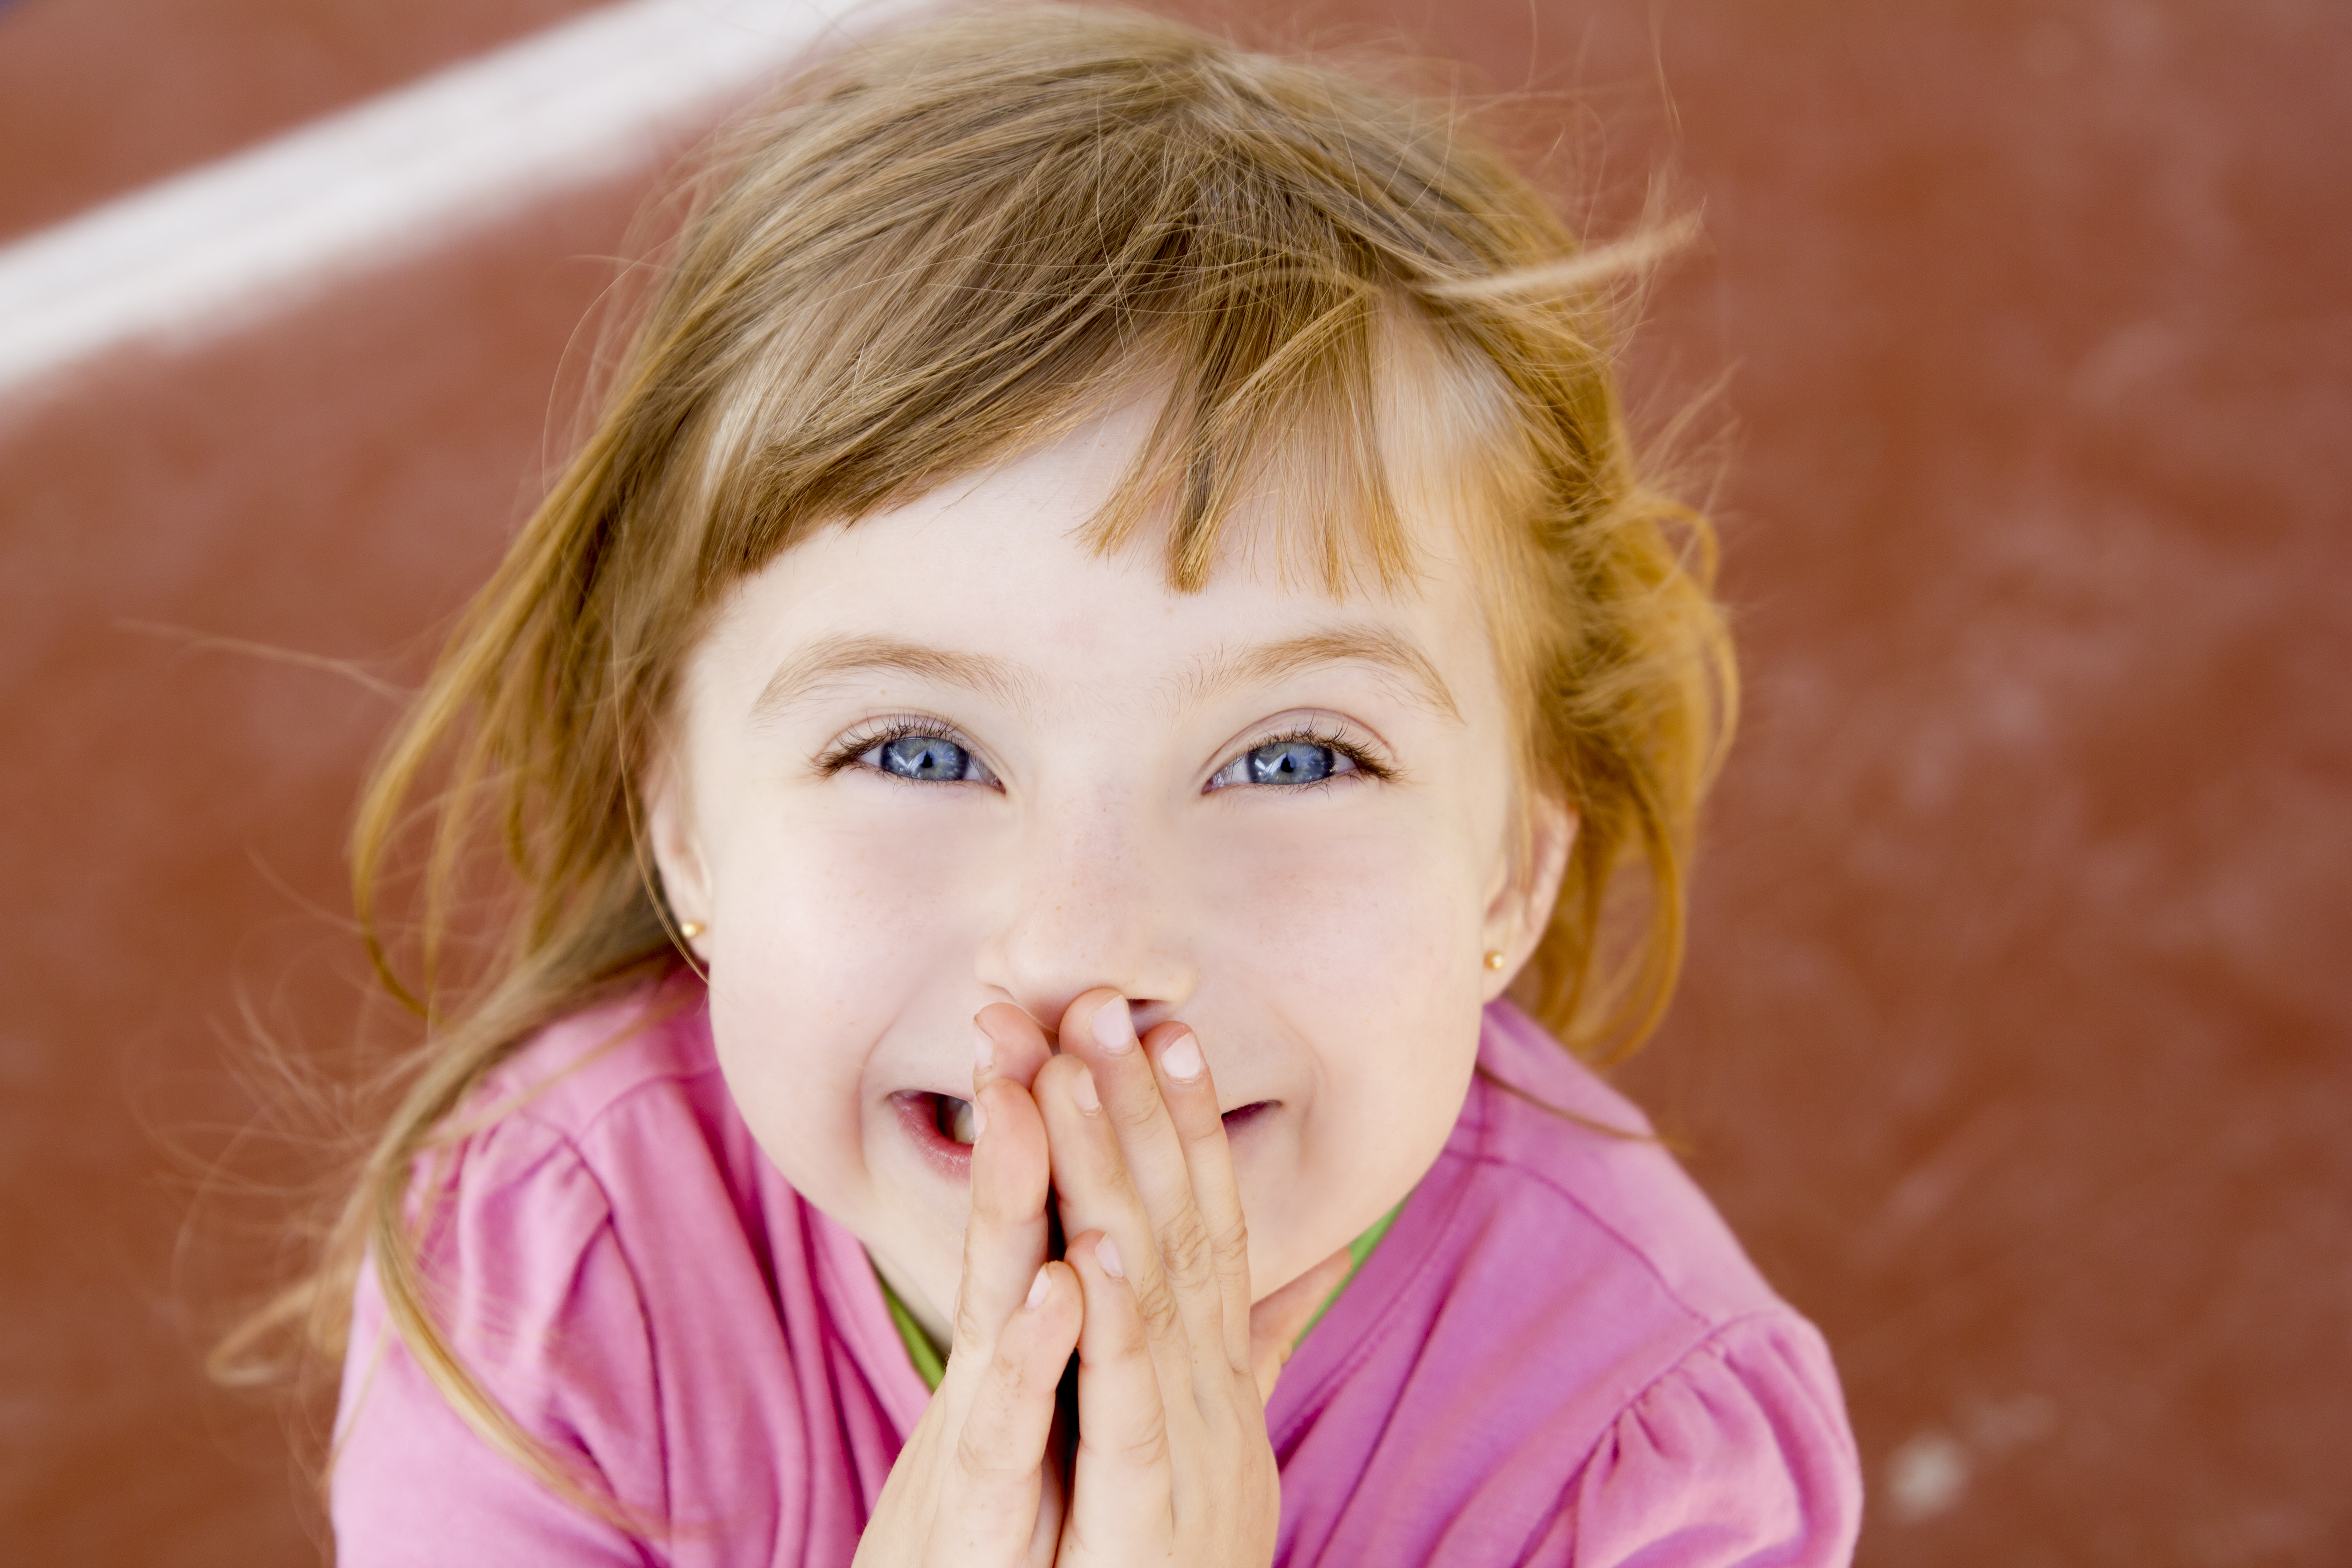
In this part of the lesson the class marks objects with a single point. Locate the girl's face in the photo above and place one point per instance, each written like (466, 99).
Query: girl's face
(951, 757)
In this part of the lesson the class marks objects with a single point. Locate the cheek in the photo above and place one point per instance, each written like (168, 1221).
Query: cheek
(849, 908)
(1360, 945)
(824, 936)
(1367, 918)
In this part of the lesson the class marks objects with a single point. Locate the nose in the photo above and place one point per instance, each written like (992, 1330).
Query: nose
(1092, 894)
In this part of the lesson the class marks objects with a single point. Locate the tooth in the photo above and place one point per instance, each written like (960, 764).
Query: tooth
(960, 1127)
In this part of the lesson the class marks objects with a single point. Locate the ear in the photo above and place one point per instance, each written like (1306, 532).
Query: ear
(675, 841)
(1520, 909)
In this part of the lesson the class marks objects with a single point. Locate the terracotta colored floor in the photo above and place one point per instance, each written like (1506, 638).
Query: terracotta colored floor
(98, 97)
(2015, 1041)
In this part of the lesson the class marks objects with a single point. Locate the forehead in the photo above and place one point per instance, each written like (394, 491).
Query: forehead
(1005, 570)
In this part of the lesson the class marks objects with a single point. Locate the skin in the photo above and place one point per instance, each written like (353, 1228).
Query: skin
(1096, 860)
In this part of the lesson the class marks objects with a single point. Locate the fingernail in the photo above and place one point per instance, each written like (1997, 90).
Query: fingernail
(1113, 1030)
(984, 1048)
(1182, 1059)
(1106, 1254)
(1037, 1288)
(1082, 1090)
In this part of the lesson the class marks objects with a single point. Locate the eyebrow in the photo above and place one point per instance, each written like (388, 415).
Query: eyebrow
(838, 659)
(1383, 650)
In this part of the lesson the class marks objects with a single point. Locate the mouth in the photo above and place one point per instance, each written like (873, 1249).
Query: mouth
(943, 1126)
(940, 1126)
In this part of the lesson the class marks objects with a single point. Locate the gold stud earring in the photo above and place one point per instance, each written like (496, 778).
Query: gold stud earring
(1494, 958)
(691, 928)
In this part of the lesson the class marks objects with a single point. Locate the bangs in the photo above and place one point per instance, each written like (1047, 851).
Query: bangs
(992, 279)
(1274, 441)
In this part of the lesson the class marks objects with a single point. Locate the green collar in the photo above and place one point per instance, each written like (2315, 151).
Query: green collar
(931, 1366)
(929, 1363)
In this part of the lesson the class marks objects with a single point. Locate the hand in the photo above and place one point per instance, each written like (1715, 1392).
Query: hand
(1174, 1463)
(977, 1485)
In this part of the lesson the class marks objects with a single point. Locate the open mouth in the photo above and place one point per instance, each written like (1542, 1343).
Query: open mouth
(945, 1124)
(952, 1118)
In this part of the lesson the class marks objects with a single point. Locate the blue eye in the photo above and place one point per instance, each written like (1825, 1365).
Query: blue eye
(930, 759)
(1298, 760)
(1292, 762)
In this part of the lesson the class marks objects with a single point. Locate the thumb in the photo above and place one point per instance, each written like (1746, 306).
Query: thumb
(1276, 1323)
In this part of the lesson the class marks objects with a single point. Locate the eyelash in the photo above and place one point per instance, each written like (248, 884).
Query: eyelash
(886, 727)
(881, 731)
(1371, 767)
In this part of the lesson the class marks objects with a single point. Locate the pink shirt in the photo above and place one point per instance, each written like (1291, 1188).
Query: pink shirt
(1558, 1355)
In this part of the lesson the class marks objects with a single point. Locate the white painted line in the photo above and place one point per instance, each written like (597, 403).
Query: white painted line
(212, 250)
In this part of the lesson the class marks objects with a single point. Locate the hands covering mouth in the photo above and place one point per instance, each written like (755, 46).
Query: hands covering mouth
(1161, 1456)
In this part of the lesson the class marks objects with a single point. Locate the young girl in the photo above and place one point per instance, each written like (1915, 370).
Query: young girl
(1107, 619)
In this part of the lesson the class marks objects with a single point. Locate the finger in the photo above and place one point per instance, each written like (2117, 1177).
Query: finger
(989, 1501)
(1010, 1043)
(1123, 1480)
(1093, 1192)
(1276, 1323)
(1007, 1235)
(1190, 1093)
(1098, 1030)
(1053, 1503)
(1006, 1238)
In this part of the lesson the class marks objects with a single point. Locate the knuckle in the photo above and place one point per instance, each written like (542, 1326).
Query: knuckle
(1229, 1244)
(1184, 1250)
(1200, 1125)
(1156, 1306)
(1139, 1443)
(1009, 1375)
(1148, 1449)
(978, 1457)
(1133, 1113)
(1135, 1340)
(970, 1331)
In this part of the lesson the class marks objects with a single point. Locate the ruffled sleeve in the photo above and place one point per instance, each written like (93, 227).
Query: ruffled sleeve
(1740, 1455)
(540, 1304)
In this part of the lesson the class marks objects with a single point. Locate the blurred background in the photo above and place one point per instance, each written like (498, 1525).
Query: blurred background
(2017, 1039)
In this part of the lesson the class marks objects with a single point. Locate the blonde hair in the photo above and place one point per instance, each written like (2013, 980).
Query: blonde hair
(930, 253)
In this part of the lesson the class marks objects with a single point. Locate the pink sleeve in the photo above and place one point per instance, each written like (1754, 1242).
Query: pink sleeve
(538, 1302)
(1738, 1456)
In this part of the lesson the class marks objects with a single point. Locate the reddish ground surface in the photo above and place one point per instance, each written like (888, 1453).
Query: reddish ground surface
(2012, 1043)
(98, 97)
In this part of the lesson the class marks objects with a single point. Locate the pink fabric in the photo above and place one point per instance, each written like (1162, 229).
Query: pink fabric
(1558, 1355)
